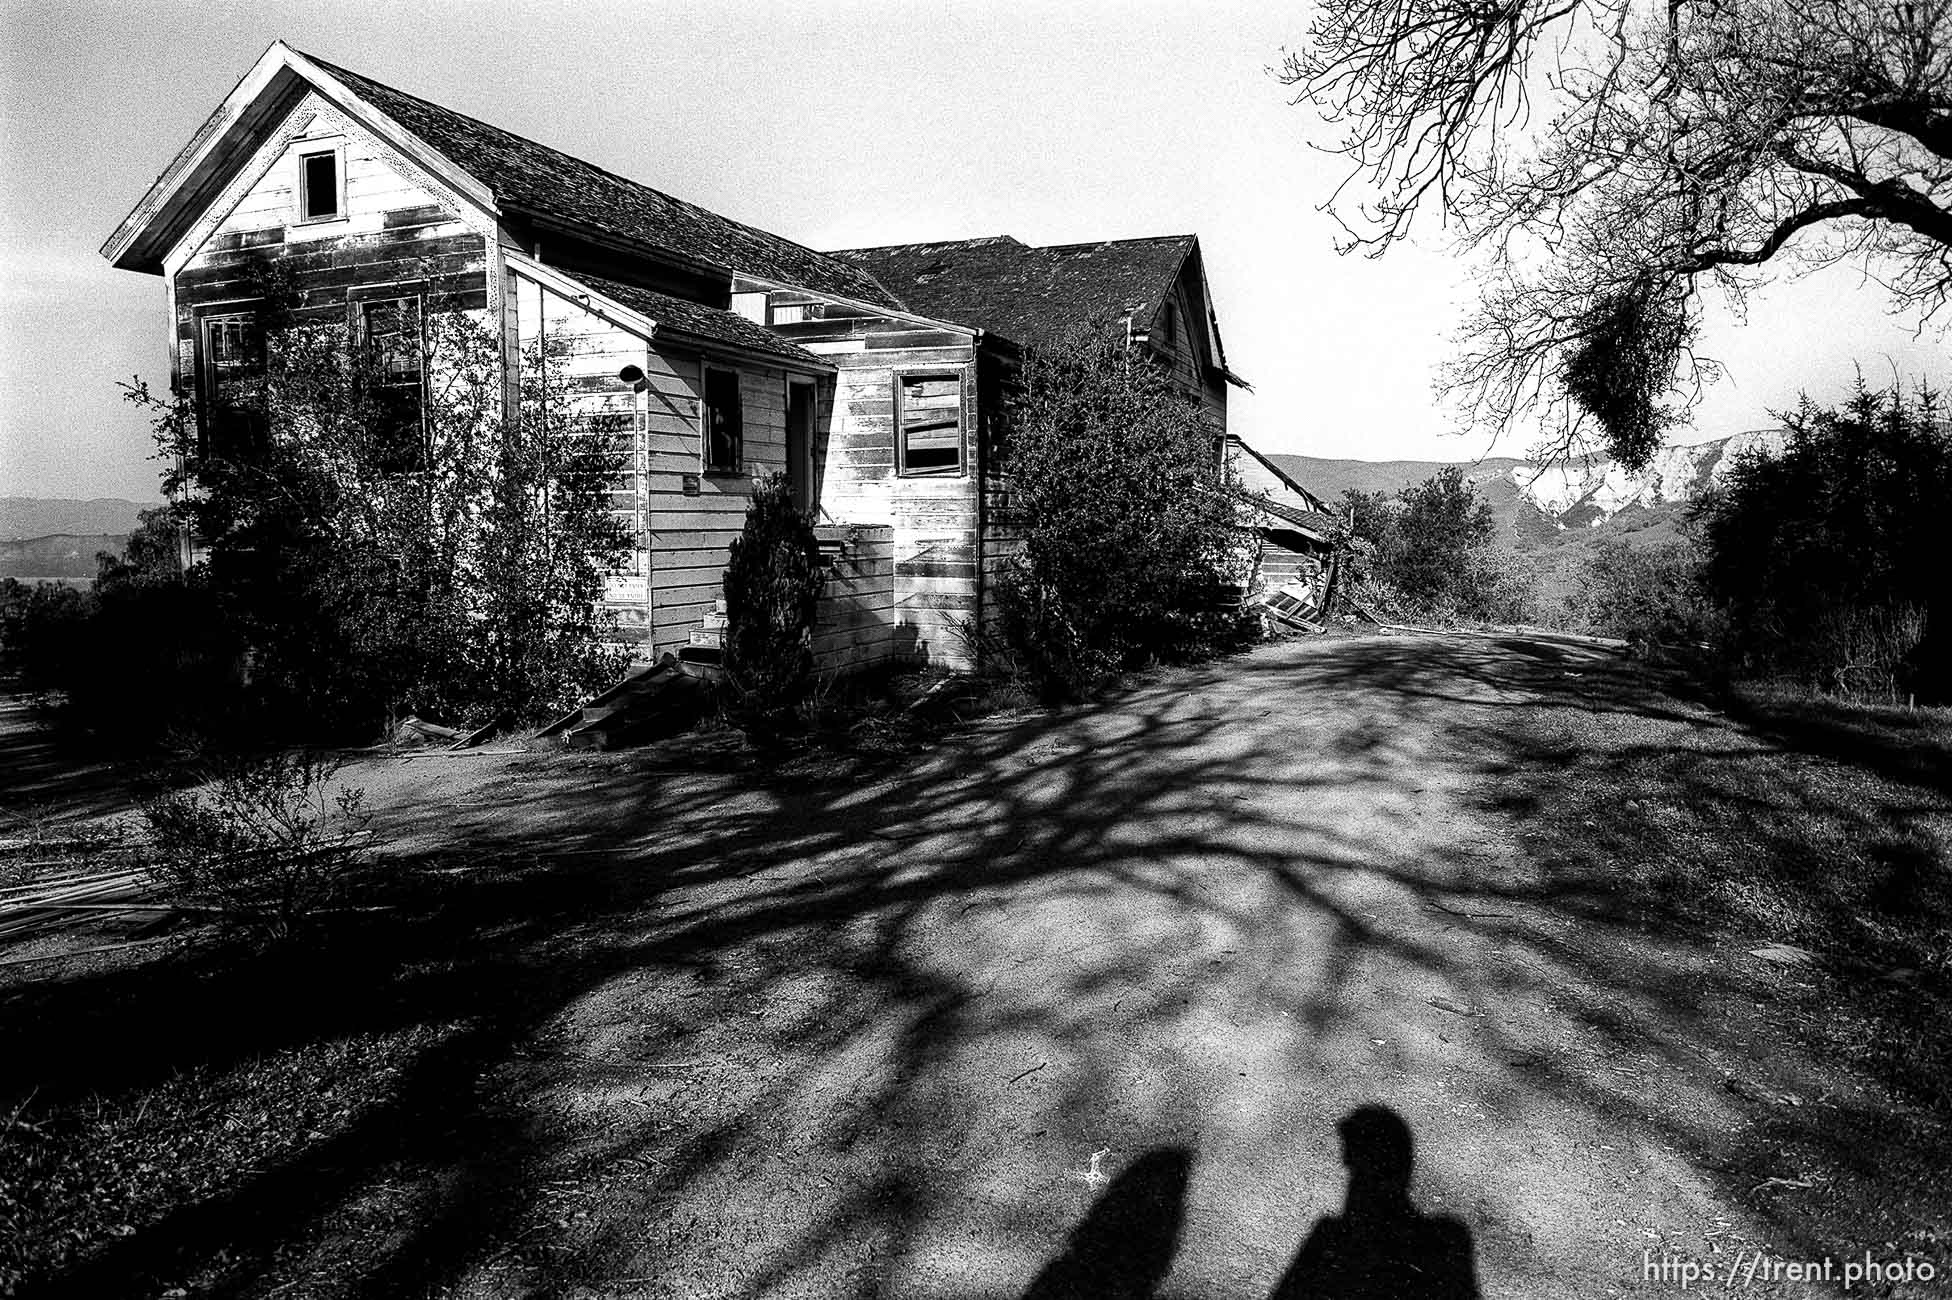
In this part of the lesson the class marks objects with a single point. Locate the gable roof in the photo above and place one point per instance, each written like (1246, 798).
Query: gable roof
(503, 171)
(1029, 295)
(536, 180)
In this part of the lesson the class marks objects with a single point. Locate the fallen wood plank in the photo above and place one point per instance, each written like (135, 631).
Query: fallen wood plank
(478, 735)
(431, 730)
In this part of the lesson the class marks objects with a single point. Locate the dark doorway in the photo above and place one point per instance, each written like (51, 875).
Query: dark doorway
(799, 442)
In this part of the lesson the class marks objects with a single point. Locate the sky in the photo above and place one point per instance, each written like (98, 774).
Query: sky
(836, 124)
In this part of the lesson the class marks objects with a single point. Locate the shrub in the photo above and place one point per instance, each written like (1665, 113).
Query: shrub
(1426, 555)
(1126, 524)
(772, 595)
(265, 841)
(1827, 562)
(443, 553)
(1867, 653)
(43, 629)
(1650, 598)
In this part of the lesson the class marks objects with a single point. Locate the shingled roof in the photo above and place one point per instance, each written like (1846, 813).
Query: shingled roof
(1029, 295)
(535, 179)
(679, 316)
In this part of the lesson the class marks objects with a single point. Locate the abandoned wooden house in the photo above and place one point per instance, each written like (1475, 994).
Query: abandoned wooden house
(1288, 529)
(872, 378)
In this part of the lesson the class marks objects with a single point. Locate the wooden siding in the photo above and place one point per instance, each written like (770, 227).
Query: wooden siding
(1186, 356)
(584, 351)
(857, 625)
(395, 228)
(934, 519)
(999, 533)
(676, 576)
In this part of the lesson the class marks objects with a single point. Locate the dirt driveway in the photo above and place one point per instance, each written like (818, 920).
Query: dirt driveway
(1075, 1006)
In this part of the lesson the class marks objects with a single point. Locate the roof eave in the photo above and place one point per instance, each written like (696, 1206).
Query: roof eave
(805, 362)
(591, 298)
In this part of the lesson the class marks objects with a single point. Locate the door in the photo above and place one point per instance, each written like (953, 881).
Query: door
(799, 442)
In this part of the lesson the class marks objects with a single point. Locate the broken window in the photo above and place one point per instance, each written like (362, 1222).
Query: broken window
(389, 331)
(724, 427)
(233, 373)
(318, 185)
(929, 424)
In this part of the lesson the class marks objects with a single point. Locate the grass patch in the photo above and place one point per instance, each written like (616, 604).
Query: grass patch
(1785, 818)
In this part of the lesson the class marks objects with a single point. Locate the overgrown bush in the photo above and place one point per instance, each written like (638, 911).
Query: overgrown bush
(43, 628)
(1826, 564)
(1649, 597)
(145, 652)
(1426, 556)
(772, 595)
(1126, 524)
(266, 841)
(1869, 655)
(384, 547)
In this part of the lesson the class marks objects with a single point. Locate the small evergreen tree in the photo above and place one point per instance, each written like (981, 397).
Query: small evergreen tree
(772, 596)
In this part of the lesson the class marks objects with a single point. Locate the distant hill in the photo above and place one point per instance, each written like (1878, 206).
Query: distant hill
(1328, 479)
(1533, 501)
(32, 517)
(1557, 513)
(62, 557)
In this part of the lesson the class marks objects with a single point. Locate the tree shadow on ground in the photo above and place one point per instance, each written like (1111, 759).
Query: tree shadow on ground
(640, 1017)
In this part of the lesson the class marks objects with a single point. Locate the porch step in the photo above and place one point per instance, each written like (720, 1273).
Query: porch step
(651, 699)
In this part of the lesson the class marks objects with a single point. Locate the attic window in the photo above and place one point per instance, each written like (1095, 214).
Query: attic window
(929, 420)
(1169, 325)
(319, 192)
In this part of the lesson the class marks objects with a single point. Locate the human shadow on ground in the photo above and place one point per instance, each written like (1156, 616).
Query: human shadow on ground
(1124, 1247)
(1381, 1247)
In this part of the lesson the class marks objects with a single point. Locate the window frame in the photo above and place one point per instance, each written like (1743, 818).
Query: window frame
(961, 468)
(204, 316)
(360, 305)
(359, 301)
(705, 408)
(302, 188)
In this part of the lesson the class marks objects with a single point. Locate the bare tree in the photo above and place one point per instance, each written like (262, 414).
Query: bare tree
(1615, 157)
